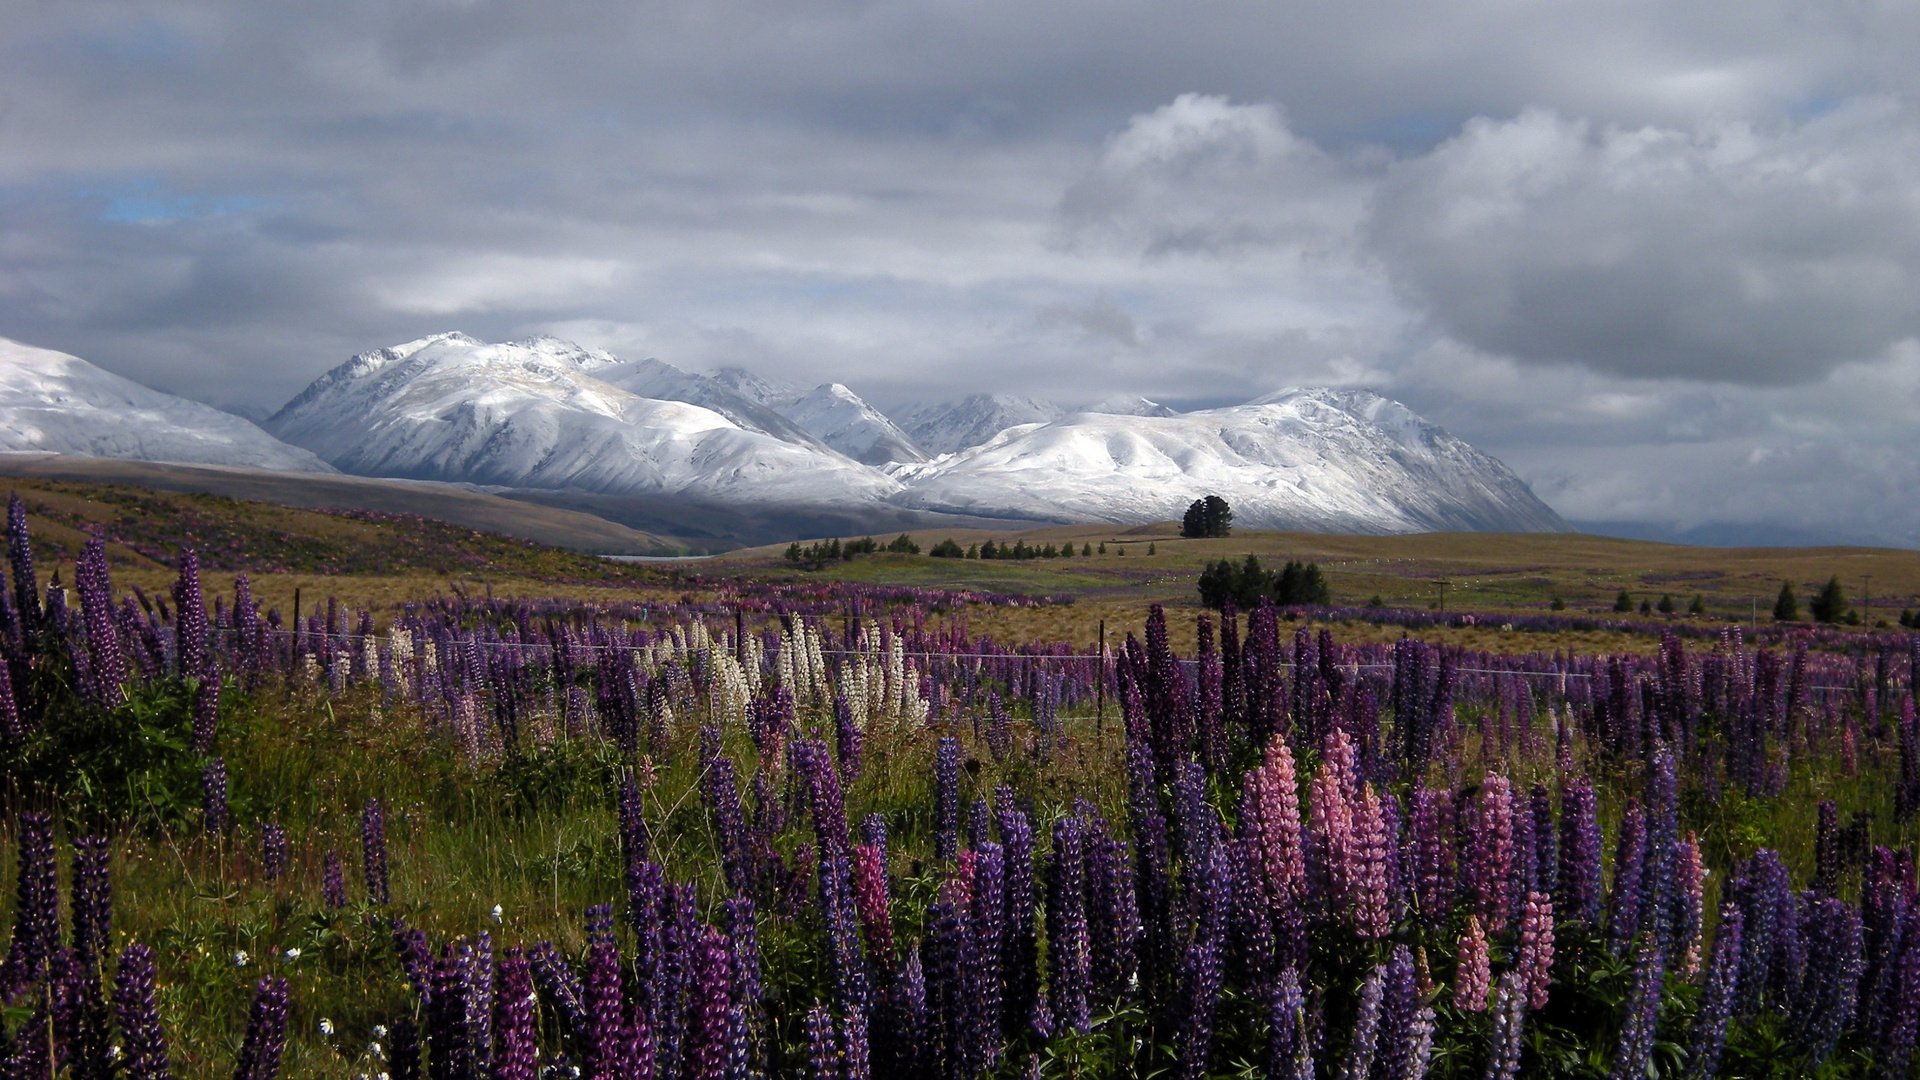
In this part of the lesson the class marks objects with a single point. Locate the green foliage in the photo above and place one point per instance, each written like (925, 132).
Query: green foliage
(1558, 604)
(1786, 608)
(1247, 583)
(821, 552)
(904, 545)
(1665, 607)
(1019, 549)
(1698, 606)
(1623, 604)
(947, 549)
(1831, 604)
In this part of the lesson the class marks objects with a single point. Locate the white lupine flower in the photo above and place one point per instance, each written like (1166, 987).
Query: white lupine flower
(326, 1027)
(292, 955)
(499, 914)
(240, 958)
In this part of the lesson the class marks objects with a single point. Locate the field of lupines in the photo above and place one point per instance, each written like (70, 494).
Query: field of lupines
(826, 832)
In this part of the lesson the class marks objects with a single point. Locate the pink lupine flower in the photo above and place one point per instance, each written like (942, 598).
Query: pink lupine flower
(1474, 972)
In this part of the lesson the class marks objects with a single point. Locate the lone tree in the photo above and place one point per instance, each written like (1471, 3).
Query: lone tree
(1786, 608)
(1208, 518)
(1831, 604)
(1623, 603)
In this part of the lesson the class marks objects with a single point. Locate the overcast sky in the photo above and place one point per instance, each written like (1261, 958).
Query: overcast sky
(1661, 258)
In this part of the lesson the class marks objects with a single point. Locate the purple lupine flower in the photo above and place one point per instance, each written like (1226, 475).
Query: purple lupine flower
(1829, 990)
(1398, 1041)
(11, 729)
(1578, 895)
(1902, 1026)
(1771, 936)
(870, 894)
(1432, 862)
(946, 799)
(710, 1031)
(1717, 998)
(333, 886)
(1472, 971)
(634, 845)
(1509, 1026)
(1113, 918)
(1067, 944)
(987, 923)
(743, 941)
(948, 1004)
(844, 958)
(848, 740)
(190, 618)
(1826, 850)
(106, 674)
(1534, 964)
(855, 1053)
(266, 1036)
(373, 852)
(206, 711)
(1252, 953)
(213, 795)
(26, 587)
(1200, 975)
(603, 1054)
(275, 854)
(516, 1054)
(1490, 860)
(449, 1036)
(1020, 948)
(1635, 1048)
(562, 986)
(143, 1046)
(1289, 1049)
(1629, 874)
(823, 1057)
(33, 1056)
(903, 1039)
(92, 901)
(1366, 1027)
(476, 998)
(416, 958)
(739, 1044)
(722, 794)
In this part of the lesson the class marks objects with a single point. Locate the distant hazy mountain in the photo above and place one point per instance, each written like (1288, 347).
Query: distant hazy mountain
(770, 393)
(1309, 459)
(949, 426)
(653, 379)
(836, 416)
(1128, 405)
(53, 402)
(543, 414)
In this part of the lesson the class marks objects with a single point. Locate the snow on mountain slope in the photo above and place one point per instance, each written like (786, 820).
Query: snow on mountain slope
(1310, 459)
(653, 379)
(539, 414)
(838, 417)
(951, 426)
(1128, 405)
(53, 402)
(772, 393)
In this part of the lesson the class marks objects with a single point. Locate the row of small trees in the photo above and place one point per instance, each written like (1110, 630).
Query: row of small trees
(1247, 583)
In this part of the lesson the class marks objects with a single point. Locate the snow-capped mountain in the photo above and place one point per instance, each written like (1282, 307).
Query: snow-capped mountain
(653, 379)
(56, 403)
(772, 393)
(1307, 459)
(547, 414)
(838, 417)
(1128, 405)
(951, 426)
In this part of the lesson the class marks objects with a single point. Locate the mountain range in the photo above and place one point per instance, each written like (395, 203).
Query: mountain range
(555, 422)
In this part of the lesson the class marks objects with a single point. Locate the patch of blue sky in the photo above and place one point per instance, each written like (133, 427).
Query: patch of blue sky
(149, 203)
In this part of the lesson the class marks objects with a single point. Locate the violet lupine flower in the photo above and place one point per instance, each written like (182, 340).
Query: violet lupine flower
(266, 1036)
(634, 846)
(1902, 1027)
(1252, 951)
(709, 1033)
(948, 1004)
(1717, 998)
(1432, 855)
(739, 1064)
(1399, 1012)
(721, 791)
(106, 662)
(416, 958)
(987, 923)
(92, 901)
(848, 740)
(946, 799)
(1535, 961)
(476, 997)
(904, 1039)
(1490, 859)
(1772, 931)
(1473, 971)
(844, 960)
(11, 730)
(823, 1057)
(1366, 1027)
(333, 888)
(206, 711)
(143, 1046)
(870, 895)
(190, 618)
(275, 854)
(516, 1054)
(1830, 989)
(855, 1051)
(1635, 1049)
(1509, 1026)
(213, 796)
(603, 1045)
(1580, 844)
(1289, 1049)
(1200, 975)
(32, 1056)
(1629, 874)
(448, 1033)
(743, 942)
(1020, 948)
(26, 587)
(373, 852)
(1689, 888)
(1067, 943)
(561, 985)
(1113, 919)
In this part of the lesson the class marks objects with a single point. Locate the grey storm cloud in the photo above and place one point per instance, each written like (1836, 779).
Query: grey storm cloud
(1578, 234)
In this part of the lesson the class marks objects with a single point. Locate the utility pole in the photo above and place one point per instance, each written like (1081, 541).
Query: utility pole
(1443, 593)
